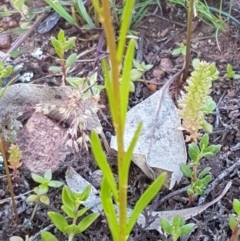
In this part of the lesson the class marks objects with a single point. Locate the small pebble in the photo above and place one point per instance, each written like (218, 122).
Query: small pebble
(5, 42)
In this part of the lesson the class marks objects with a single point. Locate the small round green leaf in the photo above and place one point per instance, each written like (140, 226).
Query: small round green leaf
(55, 183)
(46, 236)
(135, 75)
(32, 198)
(232, 220)
(55, 69)
(186, 170)
(204, 142)
(42, 189)
(193, 152)
(45, 199)
(71, 60)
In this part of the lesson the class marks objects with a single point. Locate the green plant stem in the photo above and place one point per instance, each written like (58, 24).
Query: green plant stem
(34, 210)
(117, 120)
(194, 173)
(10, 186)
(71, 235)
(188, 43)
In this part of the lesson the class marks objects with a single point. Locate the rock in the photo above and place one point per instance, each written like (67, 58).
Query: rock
(5, 42)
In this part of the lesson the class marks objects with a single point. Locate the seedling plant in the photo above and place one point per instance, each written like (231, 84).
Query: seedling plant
(61, 45)
(41, 192)
(71, 203)
(178, 228)
(234, 220)
(199, 181)
(231, 74)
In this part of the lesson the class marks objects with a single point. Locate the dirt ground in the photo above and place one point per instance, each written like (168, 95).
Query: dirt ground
(160, 34)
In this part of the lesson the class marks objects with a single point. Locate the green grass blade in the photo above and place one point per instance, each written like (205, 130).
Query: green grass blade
(128, 154)
(125, 85)
(109, 208)
(84, 14)
(60, 10)
(126, 20)
(144, 200)
(109, 88)
(140, 13)
(102, 163)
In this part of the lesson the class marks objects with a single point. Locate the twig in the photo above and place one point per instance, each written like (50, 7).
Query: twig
(167, 19)
(20, 40)
(157, 203)
(36, 235)
(219, 178)
(9, 181)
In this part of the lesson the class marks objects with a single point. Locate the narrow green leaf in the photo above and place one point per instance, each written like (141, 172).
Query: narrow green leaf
(37, 178)
(86, 193)
(69, 44)
(176, 222)
(87, 221)
(128, 155)
(186, 229)
(58, 47)
(58, 220)
(206, 180)
(204, 142)
(75, 81)
(84, 14)
(67, 201)
(214, 149)
(204, 172)
(144, 200)
(103, 163)
(109, 88)
(71, 60)
(46, 236)
(82, 211)
(69, 212)
(108, 208)
(55, 184)
(60, 10)
(124, 88)
(166, 226)
(126, 20)
(48, 175)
